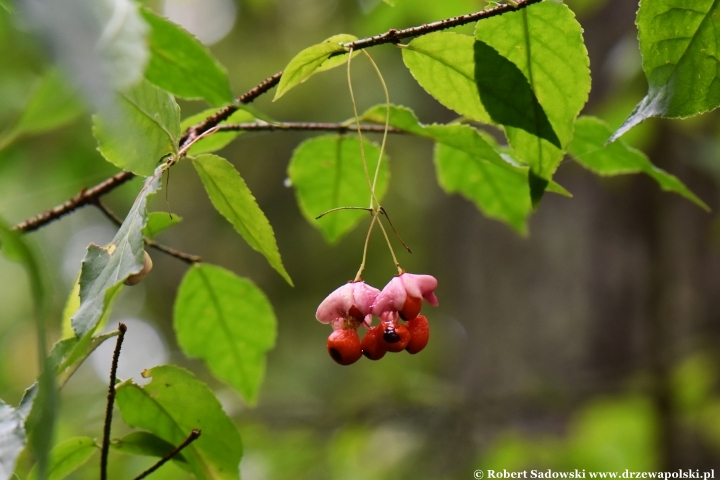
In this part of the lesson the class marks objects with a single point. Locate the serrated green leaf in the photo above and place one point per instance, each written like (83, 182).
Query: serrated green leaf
(681, 58)
(545, 42)
(232, 198)
(104, 268)
(472, 78)
(589, 150)
(172, 405)
(327, 172)
(149, 445)
(310, 61)
(216, 141)
(67, 457)
(182, 65)
(141, 131)
(12, 438)
(158, 222)
(238, 326)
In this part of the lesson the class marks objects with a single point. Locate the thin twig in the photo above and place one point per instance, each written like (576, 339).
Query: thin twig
(194, 435)
(304, 126)
(384, 212)
(391, 36)
(185, 257)
(105, 449)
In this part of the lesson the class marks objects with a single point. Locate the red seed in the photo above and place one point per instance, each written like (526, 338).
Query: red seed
(419, 334)
(372, 344)
(344, 346)
(395, 337)
(411, 308)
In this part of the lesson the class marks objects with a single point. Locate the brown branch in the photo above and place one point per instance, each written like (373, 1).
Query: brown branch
(105, 449)
(391, 36)
(185, 257)
(304, 126)
(194, 435)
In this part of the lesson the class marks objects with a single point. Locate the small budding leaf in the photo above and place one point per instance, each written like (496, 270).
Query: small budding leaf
(588, 148)
(141, 131)
(327, 172)
(66, 457)
(237, 330)
(182, 65)
(232, 198)
(311, 60)
(158, 222)
(171, 406)
(681, 58)
(104, 268)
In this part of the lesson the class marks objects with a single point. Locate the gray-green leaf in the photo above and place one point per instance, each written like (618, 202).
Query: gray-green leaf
(12, 439)
(681, 58)
(232, 198)
(589, 149)
(182, 65)
(171, 406)
(327, 172)
(310, 61)
(104, 268)
(67, 457)
(141, 131)
(228, 322)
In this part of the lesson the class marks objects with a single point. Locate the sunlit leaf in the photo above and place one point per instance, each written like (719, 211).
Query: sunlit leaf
(327, 172)
(589, 149)
(216, 141)
(171, 406)
(310, 61)
(67, 457)
(238, 325)
(681, 58)
(144, 129)
(232, 198)
(182, 65)
(104, 268)
(545, 42)
(157, 222)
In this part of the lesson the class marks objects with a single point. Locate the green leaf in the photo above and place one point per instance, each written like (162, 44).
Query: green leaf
(238, 326)
(545, 42)
(182, 65)
(338, 59)
(147, 444)
(144, 128)
(67, 457)
(327, 172)
(157, 222)
(681, 57)
(472, 78)
(590, 150)
(311, 60)
(232, 198)
(216, 141)
(104, 268)
(12, 438)
(172, 405)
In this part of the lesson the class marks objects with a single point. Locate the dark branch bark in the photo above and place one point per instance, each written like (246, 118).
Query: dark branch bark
(194, 435)
(105, 448)
(305, 126)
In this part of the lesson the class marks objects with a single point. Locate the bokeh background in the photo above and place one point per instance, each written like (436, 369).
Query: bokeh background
(591, 344)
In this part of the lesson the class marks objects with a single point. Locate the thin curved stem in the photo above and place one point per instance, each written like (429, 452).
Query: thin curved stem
(365, 249)
(387, 120)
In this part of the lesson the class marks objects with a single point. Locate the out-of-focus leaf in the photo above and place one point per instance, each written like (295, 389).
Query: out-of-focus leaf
(171, 406)
(311, 60)
(218, 140)
(67, 457)
(693, 382)
(182, 65)
(104, 268)
(681, 58)
(472, 78)
(149, 445)
(590, 150)
(157, 222)
(145, 128)
(232, 198)
(545, 42)
(101, 44)
(327, 172)
(12, 439)
(238, 325)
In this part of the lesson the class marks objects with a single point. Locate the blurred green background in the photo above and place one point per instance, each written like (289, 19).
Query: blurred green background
(593, 343)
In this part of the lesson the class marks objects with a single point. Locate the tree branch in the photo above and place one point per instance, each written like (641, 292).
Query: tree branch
(194, 435)
(391, 36)
(304, 126)
(105, 449)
